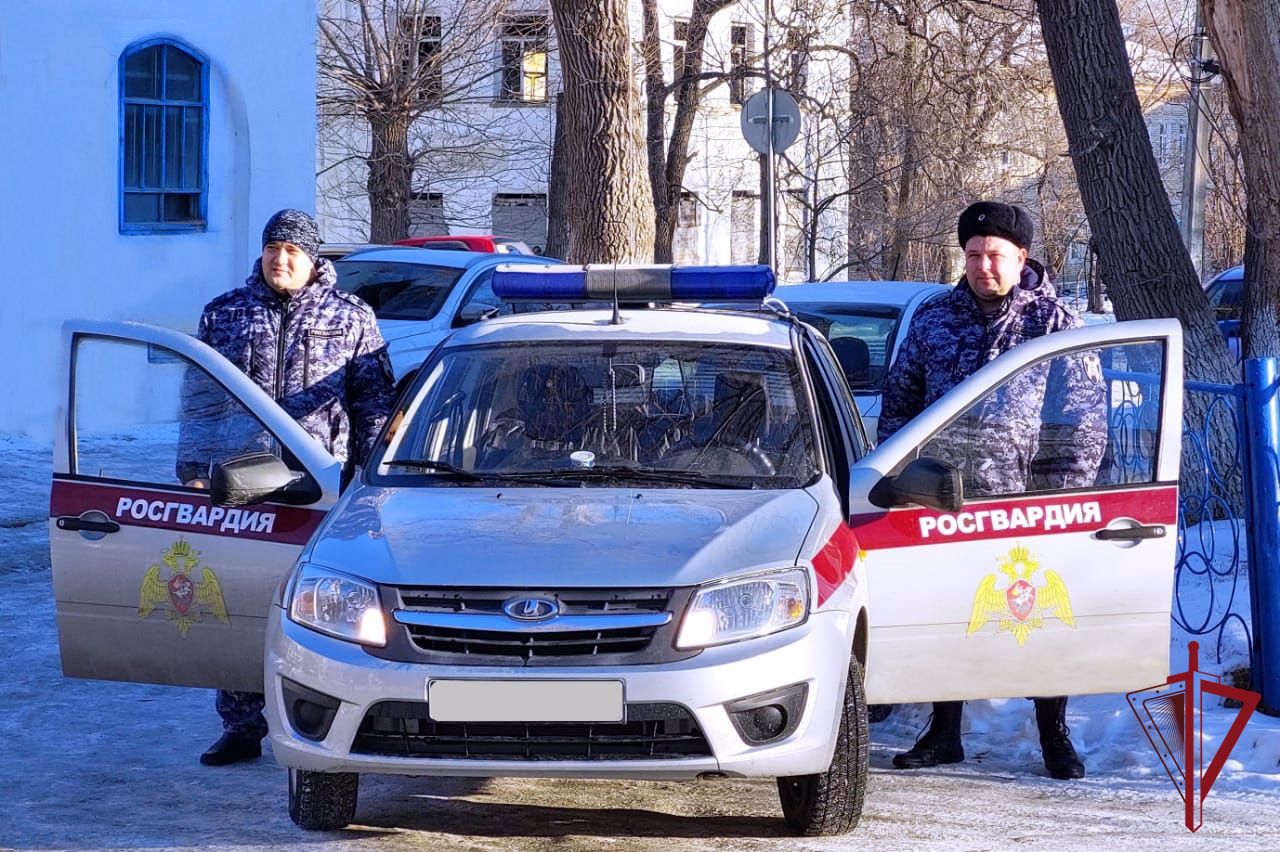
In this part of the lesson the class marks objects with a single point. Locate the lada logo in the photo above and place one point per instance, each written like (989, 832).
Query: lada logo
(531, 609)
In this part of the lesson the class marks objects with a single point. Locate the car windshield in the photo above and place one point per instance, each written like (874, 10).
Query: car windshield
(862, 337)
(398, 291)
(603, 412)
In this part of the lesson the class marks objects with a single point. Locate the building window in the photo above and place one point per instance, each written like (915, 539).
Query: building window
(523, 216)
(687, 212)
(794, 218)
(685, 245)
(799, 78)
(679, 38)
(524, 60)
(426, 76)
(744, 239)
(164, 132)
(426, 215)
(739, 50)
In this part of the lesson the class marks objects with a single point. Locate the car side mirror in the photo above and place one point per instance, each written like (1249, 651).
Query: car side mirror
(926, 481)
(475, 312)
(258, 477)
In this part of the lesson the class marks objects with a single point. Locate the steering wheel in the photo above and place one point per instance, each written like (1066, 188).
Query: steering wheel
(758, 458)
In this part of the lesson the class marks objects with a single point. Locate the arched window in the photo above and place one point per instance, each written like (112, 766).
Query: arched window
(164, 137)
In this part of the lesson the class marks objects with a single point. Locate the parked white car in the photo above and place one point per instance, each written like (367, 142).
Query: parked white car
(648, 544)
(866, 322)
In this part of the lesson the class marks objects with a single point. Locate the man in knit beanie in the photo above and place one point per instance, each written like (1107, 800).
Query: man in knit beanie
(318, 352)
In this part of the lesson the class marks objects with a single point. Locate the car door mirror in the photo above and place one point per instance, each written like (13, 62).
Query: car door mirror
(475, 312)
(926, 481)
(258, 477)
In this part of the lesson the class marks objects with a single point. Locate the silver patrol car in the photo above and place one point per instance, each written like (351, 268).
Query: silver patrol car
(647, 542)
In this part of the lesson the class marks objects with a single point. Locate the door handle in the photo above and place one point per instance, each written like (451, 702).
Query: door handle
(81, 525)
(1131, 533)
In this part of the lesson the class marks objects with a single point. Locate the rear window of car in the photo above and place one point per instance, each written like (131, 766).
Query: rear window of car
(873, 329)
(1226, 297)
(398, 291)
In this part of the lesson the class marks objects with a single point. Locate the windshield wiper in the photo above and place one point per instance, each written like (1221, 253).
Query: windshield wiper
(455, 472)
(436, 467)
(624, 472)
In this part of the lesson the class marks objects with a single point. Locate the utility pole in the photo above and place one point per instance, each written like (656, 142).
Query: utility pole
(1195, 149)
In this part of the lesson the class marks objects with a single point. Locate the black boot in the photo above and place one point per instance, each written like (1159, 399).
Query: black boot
(1060, 756)
(941, 744)
(231, 748)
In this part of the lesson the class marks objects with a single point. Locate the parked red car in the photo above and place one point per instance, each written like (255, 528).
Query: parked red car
(470, 242)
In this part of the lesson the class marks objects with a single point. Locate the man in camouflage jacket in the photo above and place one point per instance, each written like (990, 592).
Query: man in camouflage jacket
(318, 352)
(1043, 429)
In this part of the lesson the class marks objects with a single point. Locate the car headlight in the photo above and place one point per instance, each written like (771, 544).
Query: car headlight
(338, 604)
(745, 608)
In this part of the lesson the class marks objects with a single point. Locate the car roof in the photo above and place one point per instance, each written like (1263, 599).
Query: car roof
(432, 257)
(867, 292)
(679, 324)
(1234, 273)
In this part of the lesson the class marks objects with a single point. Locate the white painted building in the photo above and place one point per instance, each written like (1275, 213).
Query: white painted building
(494, 137)
(145, 143)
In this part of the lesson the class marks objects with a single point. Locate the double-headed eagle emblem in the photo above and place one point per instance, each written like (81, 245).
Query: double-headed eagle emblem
(185, 598)
(1020, 607)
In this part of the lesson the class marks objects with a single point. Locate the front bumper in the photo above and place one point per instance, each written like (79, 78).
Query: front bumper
(816, 653)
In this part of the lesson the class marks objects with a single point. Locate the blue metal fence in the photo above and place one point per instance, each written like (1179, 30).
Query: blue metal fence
(1229, 507)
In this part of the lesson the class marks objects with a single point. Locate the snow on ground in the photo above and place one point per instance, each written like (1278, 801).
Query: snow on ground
(87, 764)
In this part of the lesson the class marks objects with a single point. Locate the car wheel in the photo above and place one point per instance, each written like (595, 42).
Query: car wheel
(322, 801)
(831, 802)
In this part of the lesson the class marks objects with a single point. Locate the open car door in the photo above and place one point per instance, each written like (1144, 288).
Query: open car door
(1039, 583)
(153, 582)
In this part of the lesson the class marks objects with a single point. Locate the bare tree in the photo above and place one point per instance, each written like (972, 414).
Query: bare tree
(668, 152)
(1140, 250)
(1246, 36)
(404, 95)
(611, 218)
(1140, 253)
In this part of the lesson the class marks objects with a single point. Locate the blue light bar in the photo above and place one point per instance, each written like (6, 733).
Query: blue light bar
(656, 283)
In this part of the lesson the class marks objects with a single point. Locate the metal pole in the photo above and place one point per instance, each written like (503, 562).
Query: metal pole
(1262, 433)
(1195, 150)
(769, 199)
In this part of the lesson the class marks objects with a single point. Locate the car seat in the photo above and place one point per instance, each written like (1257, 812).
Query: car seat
(740, 410)
(855, 359)
(553, 402)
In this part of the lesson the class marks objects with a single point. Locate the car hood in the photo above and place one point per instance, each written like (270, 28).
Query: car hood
(583, 537)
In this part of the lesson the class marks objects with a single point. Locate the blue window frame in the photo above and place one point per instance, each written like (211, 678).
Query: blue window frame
(164, 138)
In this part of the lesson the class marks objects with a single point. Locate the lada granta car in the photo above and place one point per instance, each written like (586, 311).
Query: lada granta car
(644, 543)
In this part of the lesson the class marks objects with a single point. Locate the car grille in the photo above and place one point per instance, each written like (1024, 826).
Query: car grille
(651, 731)
(459, 644)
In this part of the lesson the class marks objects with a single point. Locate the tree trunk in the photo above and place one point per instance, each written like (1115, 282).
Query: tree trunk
(390, 177)
(1140, 252)
(558, 191)
(656, 133)
(611, 218)
(667, 165)
(898, 260)
(1246, 37)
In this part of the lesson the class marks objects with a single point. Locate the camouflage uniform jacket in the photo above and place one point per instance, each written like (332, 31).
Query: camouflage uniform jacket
(1044, 427)
(318, 353)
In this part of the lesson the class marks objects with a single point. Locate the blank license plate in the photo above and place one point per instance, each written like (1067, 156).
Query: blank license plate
(525, 700)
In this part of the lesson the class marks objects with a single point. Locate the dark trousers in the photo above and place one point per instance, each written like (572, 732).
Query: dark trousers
(241, 713)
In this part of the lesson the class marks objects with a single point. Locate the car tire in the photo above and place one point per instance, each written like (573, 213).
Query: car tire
(830, 802)
(322, 801)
